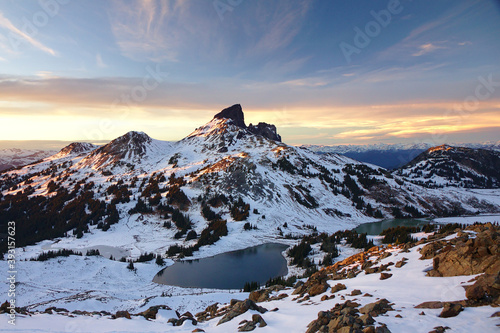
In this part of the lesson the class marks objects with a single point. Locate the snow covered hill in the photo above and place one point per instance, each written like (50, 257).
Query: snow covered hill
(454, 166)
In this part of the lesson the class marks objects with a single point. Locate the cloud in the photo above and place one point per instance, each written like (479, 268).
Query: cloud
(99, 62)
(307, 82)
(278, 26)
(427, 48)
(298, 107)
(423, 38)
(15, 34)
(143, 29)
(191, 32)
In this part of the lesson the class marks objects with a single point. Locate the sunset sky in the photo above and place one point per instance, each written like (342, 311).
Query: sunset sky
(324, 72)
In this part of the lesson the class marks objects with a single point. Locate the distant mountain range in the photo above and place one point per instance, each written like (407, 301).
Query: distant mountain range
(221, 180)
(391, 156)
(15, 157)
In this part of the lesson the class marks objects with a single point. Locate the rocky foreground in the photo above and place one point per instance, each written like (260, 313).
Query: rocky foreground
(473, 251)
(447, 281)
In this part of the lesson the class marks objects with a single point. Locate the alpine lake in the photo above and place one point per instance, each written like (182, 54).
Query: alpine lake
(231, 270)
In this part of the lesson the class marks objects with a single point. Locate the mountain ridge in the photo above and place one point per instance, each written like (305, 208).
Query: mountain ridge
(248, 177)
(457, 166)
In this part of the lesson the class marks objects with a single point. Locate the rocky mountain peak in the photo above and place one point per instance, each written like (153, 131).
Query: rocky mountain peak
(77, 148)
(266, 130)
(131, 141)
(235, 113)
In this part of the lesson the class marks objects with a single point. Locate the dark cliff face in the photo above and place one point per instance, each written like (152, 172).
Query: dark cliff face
(265, 130)
(235, 113)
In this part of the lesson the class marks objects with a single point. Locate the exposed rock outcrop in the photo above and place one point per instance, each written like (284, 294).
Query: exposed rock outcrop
(235, 113)
(474, 256)
(266, 130)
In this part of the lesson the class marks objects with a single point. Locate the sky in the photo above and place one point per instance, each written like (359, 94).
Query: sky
(324, 72)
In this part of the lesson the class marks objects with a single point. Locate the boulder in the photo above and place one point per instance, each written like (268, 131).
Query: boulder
(257, 319)
(338, 287)
(153, 311)
(430, 250)
(210, 312)
(122, 314)
(367, 319)
(439, 329)
(450, 310)
(247, 327)
(342, 318)
(486, 290)
(180, 321)
(355, 292)
(382, 329)
(239, 307)
(278, 297)
(385, 276)
(346, 329)
(318, 289)
(430, 305)
(400, 263)
(258, 296)
(385, 255)
(376, 308)
(315, 285)
(352, 274)
(371, 270)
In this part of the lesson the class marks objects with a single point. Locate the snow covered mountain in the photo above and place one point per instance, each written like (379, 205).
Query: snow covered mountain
(391, 156)
(225, 178)
(454, 166)
(14, 157)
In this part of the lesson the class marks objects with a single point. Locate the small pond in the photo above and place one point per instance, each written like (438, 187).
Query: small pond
(107, 251)
(375, 228)
(104, 250)
(228, 270)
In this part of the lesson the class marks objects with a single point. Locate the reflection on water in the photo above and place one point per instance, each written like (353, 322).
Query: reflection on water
(375, 228)
(227, 270)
